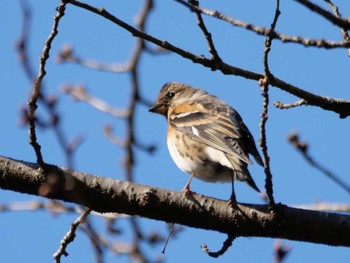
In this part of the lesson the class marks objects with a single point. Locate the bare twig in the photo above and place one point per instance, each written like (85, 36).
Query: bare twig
(281, 105)
(342, 23)
(225, 246)
(263, 143)
(344, 33)
(340, 106)
(168, 238)
(264, 115)
(49, 102)
(108, 132)
(70, 236)
(151, 148)
(66, 54)
(73, 145)
(55, 208)
(22, 41)
(35, 205)
(214, 54)
(80, 93)
(135, 91)
(97, 242)
(36, 92)
(293, 138)
(263, 31)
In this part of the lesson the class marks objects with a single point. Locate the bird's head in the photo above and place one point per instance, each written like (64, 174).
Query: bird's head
(173, 94)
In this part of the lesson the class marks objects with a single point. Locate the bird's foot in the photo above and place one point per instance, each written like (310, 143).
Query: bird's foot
(232, 202)
(187, 191)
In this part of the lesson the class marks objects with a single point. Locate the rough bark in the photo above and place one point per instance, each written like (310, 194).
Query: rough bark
(108, 195)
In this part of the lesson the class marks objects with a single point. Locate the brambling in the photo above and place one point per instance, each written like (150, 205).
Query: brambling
(206, 137)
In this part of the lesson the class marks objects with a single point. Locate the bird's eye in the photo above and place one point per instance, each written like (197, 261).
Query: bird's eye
(170, 94)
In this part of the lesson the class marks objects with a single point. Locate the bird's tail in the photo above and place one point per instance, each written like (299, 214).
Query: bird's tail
(241, 173)
(249, 180)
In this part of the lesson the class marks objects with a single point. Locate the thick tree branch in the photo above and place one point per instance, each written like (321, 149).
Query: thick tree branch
(108, 195)
(340, 106)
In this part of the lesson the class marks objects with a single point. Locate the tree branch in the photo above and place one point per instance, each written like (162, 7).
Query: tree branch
(108, 195)
(36, 90)
(283, 106)
(342, 23)
(70, 236)
(264, 31)
(303, 148)
(343, 32)
(214, 54)
(264, 114)
(340, 106)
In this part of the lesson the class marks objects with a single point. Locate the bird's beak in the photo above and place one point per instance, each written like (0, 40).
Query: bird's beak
(158, 108)
(154, 108)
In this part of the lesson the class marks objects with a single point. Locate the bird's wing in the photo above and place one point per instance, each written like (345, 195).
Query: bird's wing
(248, 138)
(215, 130)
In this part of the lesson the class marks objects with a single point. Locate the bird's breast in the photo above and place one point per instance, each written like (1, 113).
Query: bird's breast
(180, 151)
(192, 156)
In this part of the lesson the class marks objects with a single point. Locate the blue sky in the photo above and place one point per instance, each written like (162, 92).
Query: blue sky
(36, 235)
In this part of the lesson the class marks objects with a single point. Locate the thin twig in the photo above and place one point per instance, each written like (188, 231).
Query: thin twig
(168, 238)
(302, 147)
(214, 54)
(264, 115)
(135, 91)
(151, 148)
(80, 93)
(54, 207)
(36, 92)
(49, 102)
(263, 143)
(340, 106)
(108, 132)
(70, 236)
(344, 33)
(23, 40)
(225, 246)
(342, 23)
(129, 141)
(282, 106)
(263, 31)
(66, 54)
(96, 242)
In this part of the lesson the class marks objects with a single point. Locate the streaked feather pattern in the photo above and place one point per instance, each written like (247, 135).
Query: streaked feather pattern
(206, 137)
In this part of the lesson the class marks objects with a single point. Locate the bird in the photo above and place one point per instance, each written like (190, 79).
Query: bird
(206, 137)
